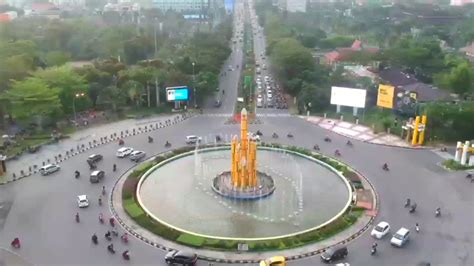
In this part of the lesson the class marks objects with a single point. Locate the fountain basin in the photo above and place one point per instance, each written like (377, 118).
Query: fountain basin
(222, 185)
(178, 193)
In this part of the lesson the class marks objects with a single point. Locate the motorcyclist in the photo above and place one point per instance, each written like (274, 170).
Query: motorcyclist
(95, 239)
(115, 168)
(150, 139)
(111, 248)
(77, 173)
(316, 147)
(417, 227)
(124, 237)
(438, 212)
(103, 190)
(16, 242)
(275, 135)
(337, 153)
(112, 221)
(77, 217)
(126, 255)
(108, 235)
(167, 144)
(407, 202)
(101, 218)
(413, 207)
(349, 143)
(385, 166)
(327, 139)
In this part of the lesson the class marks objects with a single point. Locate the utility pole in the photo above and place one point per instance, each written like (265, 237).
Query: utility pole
(157, 93)
(154, 29)
(148, 93)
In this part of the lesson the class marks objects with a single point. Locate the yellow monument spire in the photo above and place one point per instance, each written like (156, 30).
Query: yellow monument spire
(244, 157)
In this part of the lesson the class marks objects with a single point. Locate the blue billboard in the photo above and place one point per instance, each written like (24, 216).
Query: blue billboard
(175, 94)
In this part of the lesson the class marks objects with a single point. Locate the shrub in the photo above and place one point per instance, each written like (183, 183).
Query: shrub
(453, 165)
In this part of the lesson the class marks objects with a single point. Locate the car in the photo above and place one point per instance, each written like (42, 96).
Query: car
(264, 67)
(192, 139)
(124, 152)
(94, 158)
(334, 253)
(136, 156)
(253, 136)
(343, 264)
(229, 68)
(259, 97)
(82, 201)
(49, 169)
(274, 261)
(217, 104)
(400, 237)
(180, 257)
(96, 176)
(380, 230)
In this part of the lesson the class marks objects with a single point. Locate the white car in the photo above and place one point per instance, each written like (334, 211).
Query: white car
(136, 156)
(400, 237)
(124, 152)
(380, 230)
(192, 139)
(253, 136)
(82, 201)
(48, 169)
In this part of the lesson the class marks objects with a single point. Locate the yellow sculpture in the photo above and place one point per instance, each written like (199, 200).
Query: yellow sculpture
(244, 157)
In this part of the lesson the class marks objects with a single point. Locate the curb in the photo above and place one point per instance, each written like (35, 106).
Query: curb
(239, 261)
(80, 148)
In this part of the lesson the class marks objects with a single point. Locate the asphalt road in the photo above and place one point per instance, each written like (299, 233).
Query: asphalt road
(40, 210)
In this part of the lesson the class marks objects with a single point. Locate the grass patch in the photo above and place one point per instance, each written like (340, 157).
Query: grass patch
(453, 165)
(191, 240)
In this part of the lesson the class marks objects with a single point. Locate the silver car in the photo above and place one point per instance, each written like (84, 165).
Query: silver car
(137, 155)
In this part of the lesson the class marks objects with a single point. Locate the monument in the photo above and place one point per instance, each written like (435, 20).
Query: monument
(244, 157)
(243, 181)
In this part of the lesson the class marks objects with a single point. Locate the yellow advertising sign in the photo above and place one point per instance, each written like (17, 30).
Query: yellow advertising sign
(385, 96)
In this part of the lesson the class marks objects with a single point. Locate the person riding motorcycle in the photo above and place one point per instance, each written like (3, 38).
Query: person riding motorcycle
(385, 166)
(150, 139)
(100, 200)
(101, 218)
(16, 242)
(327, 139)
(337, 153)
(316, 147)
(349, 143)
(95, 239)
(77, 217)
(126, 255)
(108, 235)
(114, 168)
(77, 173)
(124, 237)
(103, 190)
(274, 135)
(167, 144)
(111, 248)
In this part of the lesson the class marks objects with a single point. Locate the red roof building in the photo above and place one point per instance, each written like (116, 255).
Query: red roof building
(345, 53)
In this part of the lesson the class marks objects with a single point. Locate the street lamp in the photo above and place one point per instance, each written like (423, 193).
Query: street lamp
(194, 87)
(77, 95)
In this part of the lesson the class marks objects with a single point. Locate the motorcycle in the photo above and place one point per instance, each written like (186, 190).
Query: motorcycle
(373, 251)
(289, 135)
(349, 143)
(114, 168)
(111, 249)
(385, 167)
(438, 212)
(150, 139)
(100, 201)
(327, 139)
(121, 142)
(413, 208)
(316, 147)
(16, 243)
(417, 228)
(126, 255)
(103, 190)
(218, 138)
(275, 135)
(94, 239)
(407, 203)
(77, 174)
(259, 133)
(77, 218)
(167, 144)
(112, 222)
(114, 233)
(101, 218)
(108, 236)
(337, 153)
(124, 238)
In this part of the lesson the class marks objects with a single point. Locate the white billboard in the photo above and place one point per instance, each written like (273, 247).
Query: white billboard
(348, 97)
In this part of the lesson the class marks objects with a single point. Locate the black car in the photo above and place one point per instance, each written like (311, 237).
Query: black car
(94, 158)
(181, 257)
(334, 253)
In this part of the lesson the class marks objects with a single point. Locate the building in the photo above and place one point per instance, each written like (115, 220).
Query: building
(345, 53)
(469, 52)
(292, 5)
(461, 2)
(186, 7)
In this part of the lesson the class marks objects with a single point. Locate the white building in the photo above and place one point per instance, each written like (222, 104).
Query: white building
(461, 2)
(293, 5)
(182, 6)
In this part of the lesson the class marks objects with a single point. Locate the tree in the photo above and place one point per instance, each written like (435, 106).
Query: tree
(32, 97)
(69, 83)
(57, 58)
(460, 80)
(317, 96)
(137, 48)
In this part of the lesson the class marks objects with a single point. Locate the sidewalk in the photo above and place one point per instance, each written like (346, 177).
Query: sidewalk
(86, 139)
(358, 132)
(351, 233)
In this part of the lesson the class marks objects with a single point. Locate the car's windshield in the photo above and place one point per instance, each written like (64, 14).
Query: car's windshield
(398, 236)
(379, 228)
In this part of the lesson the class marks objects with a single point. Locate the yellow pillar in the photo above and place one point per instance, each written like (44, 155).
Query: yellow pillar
(415, 131)
(421, 139)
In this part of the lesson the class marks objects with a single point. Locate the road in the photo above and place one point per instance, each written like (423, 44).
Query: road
(40, 210)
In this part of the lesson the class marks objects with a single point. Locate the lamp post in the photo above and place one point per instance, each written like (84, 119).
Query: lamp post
(194, 87)
(77, 95)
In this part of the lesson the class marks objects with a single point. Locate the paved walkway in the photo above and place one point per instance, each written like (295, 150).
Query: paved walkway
(86, 137)
(347, 235)
(358, 132)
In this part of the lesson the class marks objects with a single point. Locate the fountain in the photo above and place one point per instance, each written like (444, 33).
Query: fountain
(244, 191)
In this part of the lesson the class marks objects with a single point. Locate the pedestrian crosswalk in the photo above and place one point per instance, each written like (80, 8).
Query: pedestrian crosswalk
(258, 115)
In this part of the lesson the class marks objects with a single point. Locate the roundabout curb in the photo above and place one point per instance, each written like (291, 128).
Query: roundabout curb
(163, 247)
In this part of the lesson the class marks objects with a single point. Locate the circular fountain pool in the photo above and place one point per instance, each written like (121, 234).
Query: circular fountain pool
(307, 194)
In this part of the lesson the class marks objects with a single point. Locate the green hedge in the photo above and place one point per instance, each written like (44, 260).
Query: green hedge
(134, 210)
(453, 165)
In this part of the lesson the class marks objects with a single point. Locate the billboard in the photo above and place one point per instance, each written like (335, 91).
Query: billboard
(177, 94)
(229, 6)
(385, 96)
(348, 97)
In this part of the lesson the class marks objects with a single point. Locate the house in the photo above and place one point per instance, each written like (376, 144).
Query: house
(469, 51)
(345, 53)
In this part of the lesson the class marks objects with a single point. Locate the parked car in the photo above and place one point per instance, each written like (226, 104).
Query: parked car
(137, 155)
(181, 257)
(124, 152)
(334, 253)
(400, 237)
(380, 230)
(49, 169)
(82, 201)
(94, 158)
(96, 176)
(192, 139)
(274, 261)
